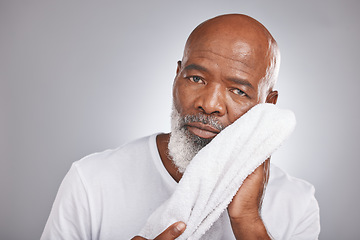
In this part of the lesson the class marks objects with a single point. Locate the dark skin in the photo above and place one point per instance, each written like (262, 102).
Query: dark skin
(226, 70)
(172, 232)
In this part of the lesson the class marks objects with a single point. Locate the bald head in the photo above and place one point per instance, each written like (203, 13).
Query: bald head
(229, 65)
(241, 38)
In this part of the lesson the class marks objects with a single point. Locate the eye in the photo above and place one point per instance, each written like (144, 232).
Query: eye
(196, 79)
(238, 92)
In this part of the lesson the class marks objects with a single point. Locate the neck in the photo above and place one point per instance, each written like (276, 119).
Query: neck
(162, 141)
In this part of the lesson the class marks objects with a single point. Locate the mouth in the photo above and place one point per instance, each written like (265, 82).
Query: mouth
(202, 130)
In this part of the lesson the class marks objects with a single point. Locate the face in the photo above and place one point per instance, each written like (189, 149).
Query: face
(220, 82)
(227, 68)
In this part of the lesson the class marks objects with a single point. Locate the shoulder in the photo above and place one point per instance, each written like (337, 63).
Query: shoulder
(289, 207)
(115, 161)
(283, 183)
(131, 149)
(287, 191)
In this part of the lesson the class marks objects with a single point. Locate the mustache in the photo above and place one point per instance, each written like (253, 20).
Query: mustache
(205, 119)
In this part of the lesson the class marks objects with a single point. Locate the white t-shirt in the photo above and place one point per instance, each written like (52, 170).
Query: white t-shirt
(110, 195)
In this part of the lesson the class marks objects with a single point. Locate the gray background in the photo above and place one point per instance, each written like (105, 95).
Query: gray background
(80, 77)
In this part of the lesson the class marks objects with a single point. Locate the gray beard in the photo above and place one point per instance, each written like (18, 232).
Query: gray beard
(183, 145)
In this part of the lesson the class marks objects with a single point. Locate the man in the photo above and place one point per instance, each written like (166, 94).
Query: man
(230, 64)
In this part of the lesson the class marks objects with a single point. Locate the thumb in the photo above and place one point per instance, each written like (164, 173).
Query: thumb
(172, 232)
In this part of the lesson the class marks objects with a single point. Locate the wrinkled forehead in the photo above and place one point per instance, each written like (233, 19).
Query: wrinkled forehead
(238, 43)
(235, 50)
(231, 49)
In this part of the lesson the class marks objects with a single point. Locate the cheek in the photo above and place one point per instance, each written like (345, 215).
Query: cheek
(181, 97)
(237, 110)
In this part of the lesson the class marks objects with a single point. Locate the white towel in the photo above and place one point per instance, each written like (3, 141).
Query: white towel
(215, 174)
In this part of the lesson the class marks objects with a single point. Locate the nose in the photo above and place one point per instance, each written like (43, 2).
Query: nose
(211, 100)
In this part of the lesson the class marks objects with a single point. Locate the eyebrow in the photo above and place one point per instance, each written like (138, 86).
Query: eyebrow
(195, 67)
(234, 80)
(241, 82)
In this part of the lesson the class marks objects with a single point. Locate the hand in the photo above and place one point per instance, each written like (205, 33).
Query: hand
(170, 233)
(244, 209)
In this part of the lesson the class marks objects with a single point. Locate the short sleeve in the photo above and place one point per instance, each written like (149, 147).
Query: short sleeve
(309, 226)
(70, 216)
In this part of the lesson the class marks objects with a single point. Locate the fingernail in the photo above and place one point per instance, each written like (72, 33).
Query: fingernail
(180, 226)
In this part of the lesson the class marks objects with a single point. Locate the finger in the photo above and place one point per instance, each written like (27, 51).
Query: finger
(266, 174)
(172, 232)
(138, 238)
(266, 171)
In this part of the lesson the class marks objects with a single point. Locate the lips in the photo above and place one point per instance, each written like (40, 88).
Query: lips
(202, 130)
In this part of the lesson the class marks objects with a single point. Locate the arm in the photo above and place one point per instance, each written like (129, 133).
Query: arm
(69, 217)
(244, 210)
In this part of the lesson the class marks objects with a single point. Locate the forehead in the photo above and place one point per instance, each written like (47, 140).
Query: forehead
(234, 40)
(213, 62)
(232, 56)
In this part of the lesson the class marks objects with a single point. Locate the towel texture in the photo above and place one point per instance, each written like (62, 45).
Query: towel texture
(215, 174)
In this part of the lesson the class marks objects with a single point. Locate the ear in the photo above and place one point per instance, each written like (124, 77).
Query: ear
(272, 97)
(178, 67)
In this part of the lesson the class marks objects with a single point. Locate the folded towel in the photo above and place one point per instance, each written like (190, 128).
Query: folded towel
(216, 173)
